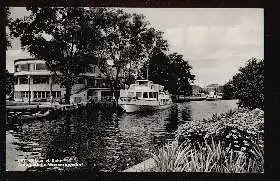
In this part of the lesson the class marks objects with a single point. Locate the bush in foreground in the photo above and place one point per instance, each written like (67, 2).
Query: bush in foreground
(231, 142)
(240, 129)
(211, 158)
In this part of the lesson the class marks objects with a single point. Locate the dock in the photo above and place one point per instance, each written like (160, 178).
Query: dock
(41, 106)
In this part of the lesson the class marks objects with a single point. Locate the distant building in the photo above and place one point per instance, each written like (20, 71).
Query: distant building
(196, 89)
(35, 81)
(213, 87)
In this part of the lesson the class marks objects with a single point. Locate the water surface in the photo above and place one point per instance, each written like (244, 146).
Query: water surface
(103, 141)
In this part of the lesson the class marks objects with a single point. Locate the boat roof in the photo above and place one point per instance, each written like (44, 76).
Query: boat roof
(141, 89)
(144, 80)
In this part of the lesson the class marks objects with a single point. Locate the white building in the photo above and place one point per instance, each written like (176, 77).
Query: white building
(35, 82)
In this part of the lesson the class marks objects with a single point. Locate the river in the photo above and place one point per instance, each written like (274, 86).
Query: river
(102, 141)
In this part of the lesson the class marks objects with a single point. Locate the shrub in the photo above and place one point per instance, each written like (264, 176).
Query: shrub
(211, 158)
(248, 85)
(240, 130)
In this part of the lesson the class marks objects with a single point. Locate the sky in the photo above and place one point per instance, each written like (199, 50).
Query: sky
(215, 42)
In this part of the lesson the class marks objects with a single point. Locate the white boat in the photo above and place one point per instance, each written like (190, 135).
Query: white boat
(213, 96)
(143, 95)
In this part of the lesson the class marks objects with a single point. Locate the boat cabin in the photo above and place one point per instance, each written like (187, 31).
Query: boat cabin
(143, 89)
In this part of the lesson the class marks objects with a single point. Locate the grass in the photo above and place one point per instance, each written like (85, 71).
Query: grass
(210, 158)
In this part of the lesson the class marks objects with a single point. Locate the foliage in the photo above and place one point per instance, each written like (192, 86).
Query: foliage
(248, 85)
(59, 36)
(172, 71)
(127, 42)
(228, 91)
(212, 157)
(10, 81)
(241, 130)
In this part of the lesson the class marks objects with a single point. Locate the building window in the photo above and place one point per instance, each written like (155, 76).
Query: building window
(58, 94)
(89, 69)
(24, 67)
(40, 80)
(16, 68)
(81, 80)
(95, 69)
(31, 67)
(16, 95)
(35, 94)
(48, 94)
(41, 66)
(23, 80)
(24, 94)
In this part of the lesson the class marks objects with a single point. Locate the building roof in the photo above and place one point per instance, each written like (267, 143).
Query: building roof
(25, 59)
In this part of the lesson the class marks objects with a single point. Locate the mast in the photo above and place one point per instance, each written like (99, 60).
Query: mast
(29, 92)
(147, 71)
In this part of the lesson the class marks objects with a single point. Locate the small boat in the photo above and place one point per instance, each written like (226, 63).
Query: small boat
(197, 97)
(212, 96)
(37, 115)
(144, 95)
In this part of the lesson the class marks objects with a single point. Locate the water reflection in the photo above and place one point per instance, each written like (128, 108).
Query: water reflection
(105, 141)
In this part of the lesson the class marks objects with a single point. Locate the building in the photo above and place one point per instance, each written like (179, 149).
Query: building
(196, 89)
(35, 82)
(213, 87)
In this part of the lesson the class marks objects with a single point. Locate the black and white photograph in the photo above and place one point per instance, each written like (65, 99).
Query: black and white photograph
(107, 89)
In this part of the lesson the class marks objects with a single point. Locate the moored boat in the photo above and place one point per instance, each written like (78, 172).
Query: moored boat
(197, 97)
(144, 95)
(24, 116)
(211, 96)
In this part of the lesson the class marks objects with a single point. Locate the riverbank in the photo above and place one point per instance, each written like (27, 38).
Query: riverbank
(229, 143)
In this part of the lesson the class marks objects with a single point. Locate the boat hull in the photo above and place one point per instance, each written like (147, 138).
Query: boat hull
(211, 99)
(129, 108)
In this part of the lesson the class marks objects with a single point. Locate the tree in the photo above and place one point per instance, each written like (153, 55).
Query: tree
(158, 67)
(180, 76)
(248, 84)
(228, 90)
(10, 81)
(127, 42)
(172, 71)
(59, 36)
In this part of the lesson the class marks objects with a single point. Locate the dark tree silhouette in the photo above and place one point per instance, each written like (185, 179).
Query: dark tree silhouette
(59, 36)
(248, 85)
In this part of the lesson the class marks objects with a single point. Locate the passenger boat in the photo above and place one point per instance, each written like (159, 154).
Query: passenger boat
(213, 96)
(144, 95)
(197, 97)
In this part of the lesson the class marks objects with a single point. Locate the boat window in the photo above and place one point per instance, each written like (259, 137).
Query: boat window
(151, 95)
(31, 67)
(35, 94)
(138, 94)
(130, 94)
(145, 95)
(155, 94)
(143, 83)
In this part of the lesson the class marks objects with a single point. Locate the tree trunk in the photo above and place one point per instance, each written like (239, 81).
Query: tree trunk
(68, 93)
